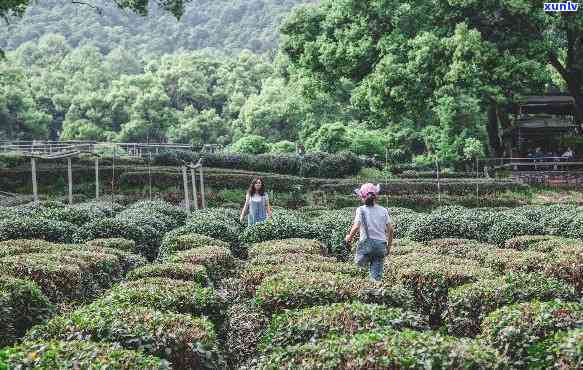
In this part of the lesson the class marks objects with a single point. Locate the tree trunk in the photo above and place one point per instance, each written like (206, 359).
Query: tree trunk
(494, 131)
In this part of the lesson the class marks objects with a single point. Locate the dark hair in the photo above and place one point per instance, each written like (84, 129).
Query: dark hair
(251, 190)
(370, 198)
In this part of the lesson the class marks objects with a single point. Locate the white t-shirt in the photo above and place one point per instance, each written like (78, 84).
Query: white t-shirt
(377, 219)
(256, 197)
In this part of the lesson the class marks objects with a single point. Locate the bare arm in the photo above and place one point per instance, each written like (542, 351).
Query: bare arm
(245, 207)
(390, 233)
(353, 230)
(269, 210)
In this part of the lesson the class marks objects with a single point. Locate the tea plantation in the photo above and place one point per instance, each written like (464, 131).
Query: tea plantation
(147, 286)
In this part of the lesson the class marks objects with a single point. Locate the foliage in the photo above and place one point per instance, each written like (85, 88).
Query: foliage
(251, 144)
(387, 349)
(283, 146)
(520, 331)
(175, 242)
(37, 228)
(340, 319)
(176, 271)
(285, 246)
(115, 243)
(186, 342)
(218, 261)
(77, 354)
(469, 304)
(22, 305)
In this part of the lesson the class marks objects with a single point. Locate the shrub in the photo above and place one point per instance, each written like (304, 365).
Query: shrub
(243, 329)
(218, 260)
(253, 275)
(177, 271)
(280, 227)
(22, 305)
(75, 215)
(108, 209)
(286, 246)
(406, 246)
(77, 354)
(300, 290)
(429, 227)
(187, 342)
(460, 248)
(566, 263)
(555, 244)
(521, 331)
(339, 319)
(29, 228)
(388, 349)
(213, 228)
(507, 227)
(176, 214)
(430, 277)
(524, 242)
(568, 349)
(291, 258)
(174, 242)
(470, 303)
(114, 243)
(167, 295)
(283, 147)
(503, 260)
(66, 275)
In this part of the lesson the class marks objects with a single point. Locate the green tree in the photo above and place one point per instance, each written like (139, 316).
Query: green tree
(251, 144)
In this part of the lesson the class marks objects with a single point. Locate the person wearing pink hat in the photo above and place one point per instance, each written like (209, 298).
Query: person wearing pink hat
(376, 231)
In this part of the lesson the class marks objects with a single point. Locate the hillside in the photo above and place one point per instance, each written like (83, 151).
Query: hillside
(225, 24)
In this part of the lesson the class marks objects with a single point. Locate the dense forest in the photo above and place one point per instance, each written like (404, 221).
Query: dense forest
(435, 79)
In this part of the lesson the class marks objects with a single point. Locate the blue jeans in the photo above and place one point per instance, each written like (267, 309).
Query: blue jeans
(372, 252)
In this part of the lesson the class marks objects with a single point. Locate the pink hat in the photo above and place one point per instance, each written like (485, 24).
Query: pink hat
(367, 189)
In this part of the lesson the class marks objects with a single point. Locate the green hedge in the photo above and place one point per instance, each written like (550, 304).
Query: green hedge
(187, 342)
(22, 305)
(281, 227)
(177, 271)
(218, 261)
(294, 290)
(566, 263)
(286, 246)
(568, 349)
(386, 350)
(289, 259)
(115, 243)
(253, 275)
(67, 275)
(430, 277)
(244, 326)
(522, 332)
(469, 304)
(78, 354)
(339, 319)
(30, 228)
(168, 295)
(175, 242)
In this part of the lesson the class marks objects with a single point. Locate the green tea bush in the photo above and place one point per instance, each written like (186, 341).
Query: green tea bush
(72, 214)
(114, 243)
(280, 227)
(460, 248)
(429, 227)
(23, 246)
(406, 246)
(218, 261)
(108, 209)
(167, 295)
(566, 263)
(29, 228)
(339, 319)
(333, 226)
(286, 246)
(525, 242)
(213, 228)
(244, 326)
(177, 271)
(290, 258)
(174, 242)
(567, 349)
(469, 304)
(67, 275)
(22, 305)
(187, 342)
(177, 215)
(293, 290)
(430, 277)
(503, 260)
(77, 354)
(522, 331)
(555, 244)
(388, 349)
(253, 275)
(507, 227)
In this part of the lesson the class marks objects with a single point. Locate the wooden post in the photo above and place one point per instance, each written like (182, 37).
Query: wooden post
(70, 180)
(194, 193)
(96, 178)
(438, 183)
(477, 182)
(186, 196)
(202, 196)
(34, 185)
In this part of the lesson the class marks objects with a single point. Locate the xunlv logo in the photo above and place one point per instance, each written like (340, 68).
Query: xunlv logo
(561, 7)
